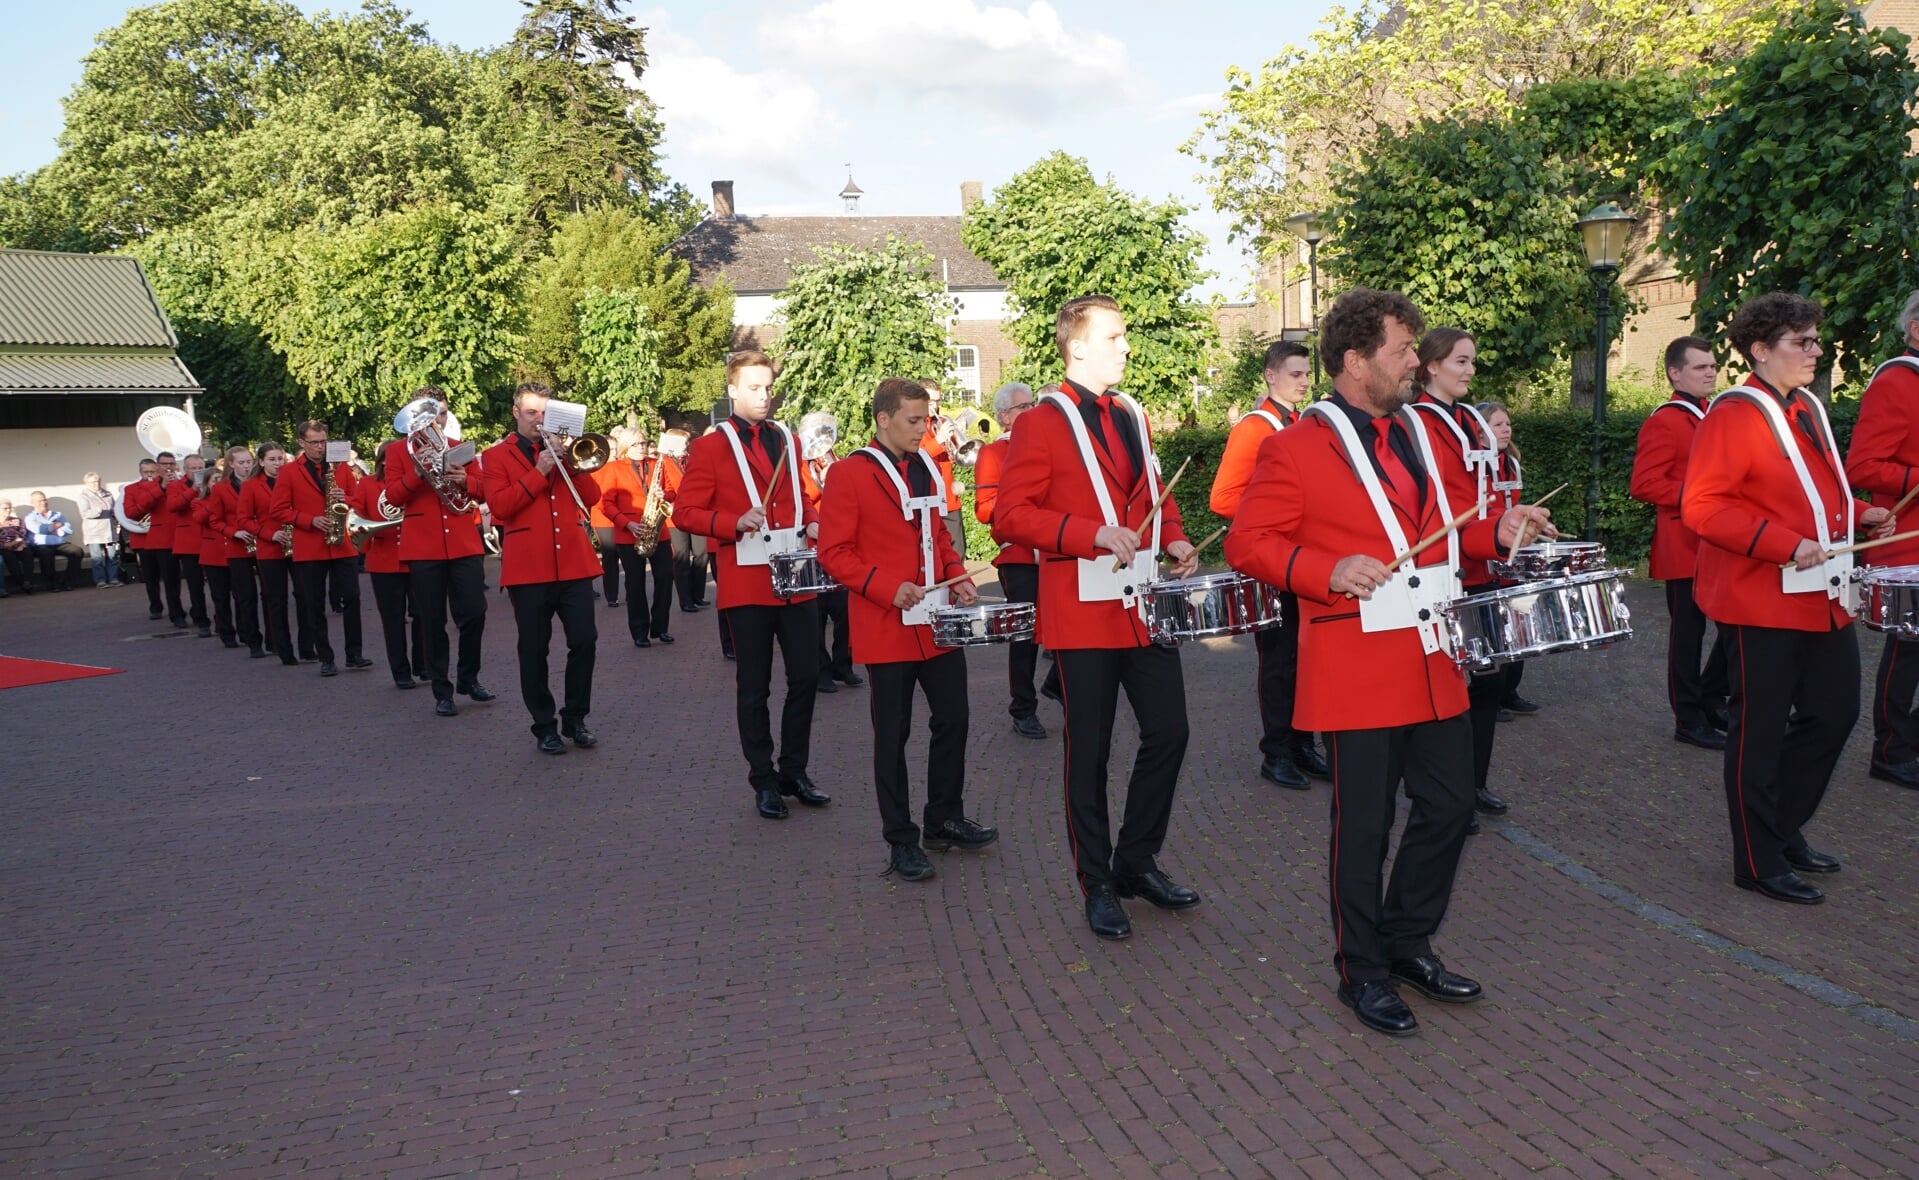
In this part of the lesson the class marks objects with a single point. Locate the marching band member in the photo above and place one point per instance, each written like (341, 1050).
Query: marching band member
(689, 549)
(1079, 486)
(444, 551)
(1330, 502)
(1508, 489)
(274, 547)
(188, 540)
(547, 566)
(302, 498)
(1446, 365)
(603, 526)
(147, 498)
(955, 523)
(1766, 489)
(1658, 473)
(818, 432)
(882, 537)
(387, 571)
(1880, 460)
(728, 471)
(230, 522)
(1018, 567)
(1287, 756)
(213, 557)
(624, 487)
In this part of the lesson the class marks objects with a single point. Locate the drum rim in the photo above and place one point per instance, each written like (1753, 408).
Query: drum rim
(1524, 588)
(1203, 581)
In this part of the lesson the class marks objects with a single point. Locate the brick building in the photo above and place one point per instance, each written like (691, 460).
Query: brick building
(756, 255)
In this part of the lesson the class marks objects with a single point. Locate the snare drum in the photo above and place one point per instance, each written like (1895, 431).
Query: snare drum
(1551, 559)
(983, 623)
(1575, 613)
(799, 572)
(1212, 604)
(1889, 599)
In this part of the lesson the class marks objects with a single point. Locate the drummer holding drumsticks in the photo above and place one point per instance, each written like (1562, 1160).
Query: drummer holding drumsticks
(882, 536)
(1331, 501)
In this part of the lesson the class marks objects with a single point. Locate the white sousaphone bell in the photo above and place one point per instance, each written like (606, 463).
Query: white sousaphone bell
(166, 429)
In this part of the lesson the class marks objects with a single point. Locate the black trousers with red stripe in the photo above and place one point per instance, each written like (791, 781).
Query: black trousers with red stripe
(1895, 731)
(890, 696)
(1795, 697)
(1278, 652)
(1155, 684)
(795, 626)
(1695, 695)
(1376, 919)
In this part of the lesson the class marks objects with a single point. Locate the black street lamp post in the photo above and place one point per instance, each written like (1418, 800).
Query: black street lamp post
(1604, 232)
(1309, 228)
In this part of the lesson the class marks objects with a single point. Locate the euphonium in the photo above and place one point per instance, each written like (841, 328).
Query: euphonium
(418, 423)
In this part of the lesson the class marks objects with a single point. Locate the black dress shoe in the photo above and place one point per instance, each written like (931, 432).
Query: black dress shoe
(476, 691)
(1811, 860)
(849, 679)
(359, 665)
(154, 616)
(1028, 727)
(227, 642)
(1157, 888)
(727, 655)
(826, 685)
(663, 637)
(1487, 803)
(1379, 1007)
(1280, 771)
(1905, 774)
(1473, 829)
(1719, 719)
(406, 682)
(798, 786)
(1703, 736)
(1429, 977)
(1105, 915)
(612, 602)
(961, 833)
(909, 862)
(1518, 704)
(203, 633)
(550, 743)
(692, 609)
(770, 805)
(1784, 887)
(256, 652)
(289, 661)
(444, 707)
(1308, 759)
(1050, 691)
(581, 735)
(1502, 714)
(327, 669)
(642, 641)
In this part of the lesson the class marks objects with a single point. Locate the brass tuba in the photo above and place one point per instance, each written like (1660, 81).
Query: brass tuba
(418, 423)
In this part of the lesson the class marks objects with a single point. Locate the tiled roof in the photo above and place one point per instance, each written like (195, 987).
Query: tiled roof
(44, 373)
(80, 300)
(757, 254)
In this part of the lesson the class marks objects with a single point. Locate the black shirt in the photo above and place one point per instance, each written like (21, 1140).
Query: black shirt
(1397, 438)
(1089, 411)
(771, 441)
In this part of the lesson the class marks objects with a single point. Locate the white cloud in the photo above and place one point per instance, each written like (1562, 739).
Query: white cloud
(995, 56)
(719, 113)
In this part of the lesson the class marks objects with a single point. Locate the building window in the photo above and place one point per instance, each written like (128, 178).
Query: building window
(963, 361)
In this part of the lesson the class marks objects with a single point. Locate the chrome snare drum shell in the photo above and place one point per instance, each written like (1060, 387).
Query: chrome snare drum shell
(1889, 599)
(1551, 559)
(983, 623)
(1211, 604)
(799, 572)
(1576, 613)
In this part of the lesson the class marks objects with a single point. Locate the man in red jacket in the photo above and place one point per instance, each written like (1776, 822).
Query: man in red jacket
(1330, 502)
(1658, 473)
(178, 506)
(882, 536)
(1079, 486)
(1018, 566)
(1881, 460)
(1287, 756)
(1767, 576)
(730, 494)
(302, 499)
(547, 565)
(147, 499)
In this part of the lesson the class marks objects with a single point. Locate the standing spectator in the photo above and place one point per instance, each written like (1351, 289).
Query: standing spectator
(14, 542)
(53, 537)
(96, 530)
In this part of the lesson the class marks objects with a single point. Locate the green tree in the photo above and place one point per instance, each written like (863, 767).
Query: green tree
(854, 317)
(1800, 177)
(619, 354)
(624, 249)
(1054, 232)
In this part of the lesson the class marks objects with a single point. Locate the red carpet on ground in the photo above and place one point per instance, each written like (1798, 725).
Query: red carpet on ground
(18, 673)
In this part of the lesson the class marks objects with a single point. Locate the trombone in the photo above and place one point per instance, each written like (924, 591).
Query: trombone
(583, 453)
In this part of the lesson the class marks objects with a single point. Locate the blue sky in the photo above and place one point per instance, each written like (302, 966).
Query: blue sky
(780, 96)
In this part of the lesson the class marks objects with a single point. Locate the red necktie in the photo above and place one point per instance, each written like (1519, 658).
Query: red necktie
(1400, 488)
(1116, 444)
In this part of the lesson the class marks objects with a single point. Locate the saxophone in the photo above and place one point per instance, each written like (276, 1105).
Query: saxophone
(336, 512)
(654, 512)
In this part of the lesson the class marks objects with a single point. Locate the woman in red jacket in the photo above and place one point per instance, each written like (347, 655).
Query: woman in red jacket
(272, 548)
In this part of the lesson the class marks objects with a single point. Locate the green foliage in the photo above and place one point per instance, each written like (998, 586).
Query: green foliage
(1471, 219)
(1603, 131)
(1053, 233)
(1800, 177)
(1195, 488)
(622, 249)
(854, 317)
(619, 354)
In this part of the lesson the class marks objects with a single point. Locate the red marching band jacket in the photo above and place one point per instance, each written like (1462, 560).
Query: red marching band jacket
(988, 469)
(870, 545)
(382, 549)
(213, 545)
(1464, 441)
(543, 537)
(187, 531)
(430, 531)
(713, 497)
(1884, 451)
(1047, 502)
(1304, 511)
(225, 518)
(1659, 461)
(298, 498)
(1744, 499)
(147, 498)
(256, 515)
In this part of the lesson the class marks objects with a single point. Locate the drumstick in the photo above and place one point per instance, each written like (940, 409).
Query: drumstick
(1437, 537)
(1139, 534)
(1904, 500)
(1854, 548)
(1215, 535)
(1519, 537)
(773, 485)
